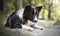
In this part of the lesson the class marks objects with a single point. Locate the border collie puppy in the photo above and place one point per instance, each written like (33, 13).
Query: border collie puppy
(20, 17)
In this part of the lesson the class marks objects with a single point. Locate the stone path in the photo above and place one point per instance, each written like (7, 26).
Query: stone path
(53, 31)
(35, 32)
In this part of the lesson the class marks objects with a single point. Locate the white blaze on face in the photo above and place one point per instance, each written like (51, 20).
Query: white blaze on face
(35, 18)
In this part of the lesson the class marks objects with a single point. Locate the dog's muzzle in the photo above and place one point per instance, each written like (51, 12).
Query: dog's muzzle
(35, 19)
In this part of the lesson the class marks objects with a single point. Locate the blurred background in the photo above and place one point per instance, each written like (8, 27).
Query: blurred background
(50, 10)
(49, 17)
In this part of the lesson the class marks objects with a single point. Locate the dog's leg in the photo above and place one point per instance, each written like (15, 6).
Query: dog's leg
(27, 28)
(35, 25)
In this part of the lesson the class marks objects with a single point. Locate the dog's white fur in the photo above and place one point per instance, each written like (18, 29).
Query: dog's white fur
(20, 13)
(37, 26)
(27, 27)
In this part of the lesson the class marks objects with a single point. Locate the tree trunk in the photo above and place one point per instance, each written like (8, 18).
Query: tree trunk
(49, 12)
(20, 4)
(3, 6)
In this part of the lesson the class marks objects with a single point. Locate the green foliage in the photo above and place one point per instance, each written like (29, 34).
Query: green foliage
(26, 2)
(12, 4)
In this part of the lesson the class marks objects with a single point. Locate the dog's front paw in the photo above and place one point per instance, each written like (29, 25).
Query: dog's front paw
(30, 29)
(36, 26)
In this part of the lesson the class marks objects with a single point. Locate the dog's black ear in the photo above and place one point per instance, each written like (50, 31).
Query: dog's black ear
(28, 7)
(27, 10)
(39, 8)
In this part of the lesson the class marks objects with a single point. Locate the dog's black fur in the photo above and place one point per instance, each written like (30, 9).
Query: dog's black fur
(14, 20)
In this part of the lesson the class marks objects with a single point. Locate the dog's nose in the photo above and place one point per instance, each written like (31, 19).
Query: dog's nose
(35, 21)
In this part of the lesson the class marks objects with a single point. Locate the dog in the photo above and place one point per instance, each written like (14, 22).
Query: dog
(19, 18)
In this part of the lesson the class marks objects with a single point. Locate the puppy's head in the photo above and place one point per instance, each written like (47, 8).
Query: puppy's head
(31, 13)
